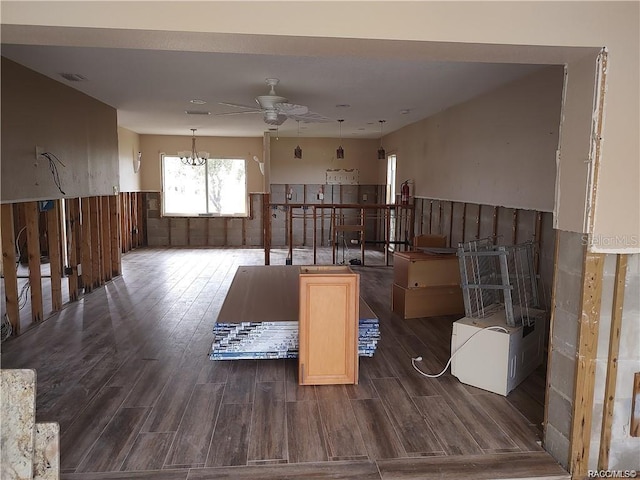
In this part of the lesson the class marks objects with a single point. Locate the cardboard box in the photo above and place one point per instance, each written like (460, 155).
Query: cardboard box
(427, 301)
(418, 269)
(438, 241)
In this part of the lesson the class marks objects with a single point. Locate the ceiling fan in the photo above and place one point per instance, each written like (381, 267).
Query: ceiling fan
(276, 109)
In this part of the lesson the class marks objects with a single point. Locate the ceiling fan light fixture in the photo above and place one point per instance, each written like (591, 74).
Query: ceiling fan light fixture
(381, 152)
(275, 109)
(193, 158)
(340, 150)
(297, 152)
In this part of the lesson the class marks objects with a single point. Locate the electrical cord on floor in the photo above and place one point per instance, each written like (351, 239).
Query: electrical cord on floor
(436, 375)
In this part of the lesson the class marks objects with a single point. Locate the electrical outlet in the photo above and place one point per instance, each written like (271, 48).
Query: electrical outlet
(115, 190)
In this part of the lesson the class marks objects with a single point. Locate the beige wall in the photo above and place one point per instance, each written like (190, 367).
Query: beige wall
(152, 146)
(319, 155)
(497, 149)
(128, 148)
(79, 130)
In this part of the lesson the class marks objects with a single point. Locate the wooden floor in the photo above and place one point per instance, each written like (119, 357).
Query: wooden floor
(126, 374)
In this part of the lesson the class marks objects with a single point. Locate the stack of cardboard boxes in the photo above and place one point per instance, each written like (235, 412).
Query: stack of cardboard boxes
(426, 284)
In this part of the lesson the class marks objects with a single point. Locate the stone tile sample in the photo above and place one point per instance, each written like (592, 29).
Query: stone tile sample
(17, 413)
(46, 460)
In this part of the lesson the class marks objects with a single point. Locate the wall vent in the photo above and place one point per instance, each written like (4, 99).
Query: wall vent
(74, 77)
(197, 112)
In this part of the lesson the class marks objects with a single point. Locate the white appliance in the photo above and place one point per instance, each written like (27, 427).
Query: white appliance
(496, 360)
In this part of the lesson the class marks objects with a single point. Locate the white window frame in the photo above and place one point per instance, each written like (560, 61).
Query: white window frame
(206, 214)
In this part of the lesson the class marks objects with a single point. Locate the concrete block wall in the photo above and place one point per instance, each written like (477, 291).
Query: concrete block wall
(624, 451)
(563, 344)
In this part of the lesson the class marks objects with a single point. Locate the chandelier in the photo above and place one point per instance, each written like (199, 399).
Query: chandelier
(193, 158)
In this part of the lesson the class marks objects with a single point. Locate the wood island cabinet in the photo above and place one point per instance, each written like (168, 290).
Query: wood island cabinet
(328, 325)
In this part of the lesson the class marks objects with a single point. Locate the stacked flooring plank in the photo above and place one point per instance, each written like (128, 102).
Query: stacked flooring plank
(258, 319)
(258, 340)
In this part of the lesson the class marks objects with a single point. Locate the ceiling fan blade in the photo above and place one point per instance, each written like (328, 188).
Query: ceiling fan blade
(291, 108)
(236, 113)
(237, 105)
(310, 117)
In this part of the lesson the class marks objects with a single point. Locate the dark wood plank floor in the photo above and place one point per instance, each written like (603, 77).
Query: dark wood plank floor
(126, 373)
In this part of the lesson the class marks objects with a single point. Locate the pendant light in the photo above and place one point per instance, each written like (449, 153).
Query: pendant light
(340, 150)
(193, 158)
(381, 153)
(297, 152)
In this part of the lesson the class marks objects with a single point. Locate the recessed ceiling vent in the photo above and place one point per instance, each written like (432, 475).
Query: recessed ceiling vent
(197, 112)
(74, 77)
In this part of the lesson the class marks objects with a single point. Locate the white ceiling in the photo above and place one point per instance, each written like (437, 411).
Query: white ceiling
(151, 87)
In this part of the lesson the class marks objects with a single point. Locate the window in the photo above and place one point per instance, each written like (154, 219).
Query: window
(219, 187)
(391, 179)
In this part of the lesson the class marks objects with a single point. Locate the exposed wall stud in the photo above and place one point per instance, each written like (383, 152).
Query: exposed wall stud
(451, 223)
(244, 231)
(612, 363)
(73, 238)
(116, 253)
(9, 266)
(33, 250)
(105, 241)
(315, 228)
(266, 228)
(96, 242)
(537, 240)
(86, 263)
(289, 230)
(464, 220)
(304, 214)
(135, 221)
(634, 431)
(55, 261)
(589, 320)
